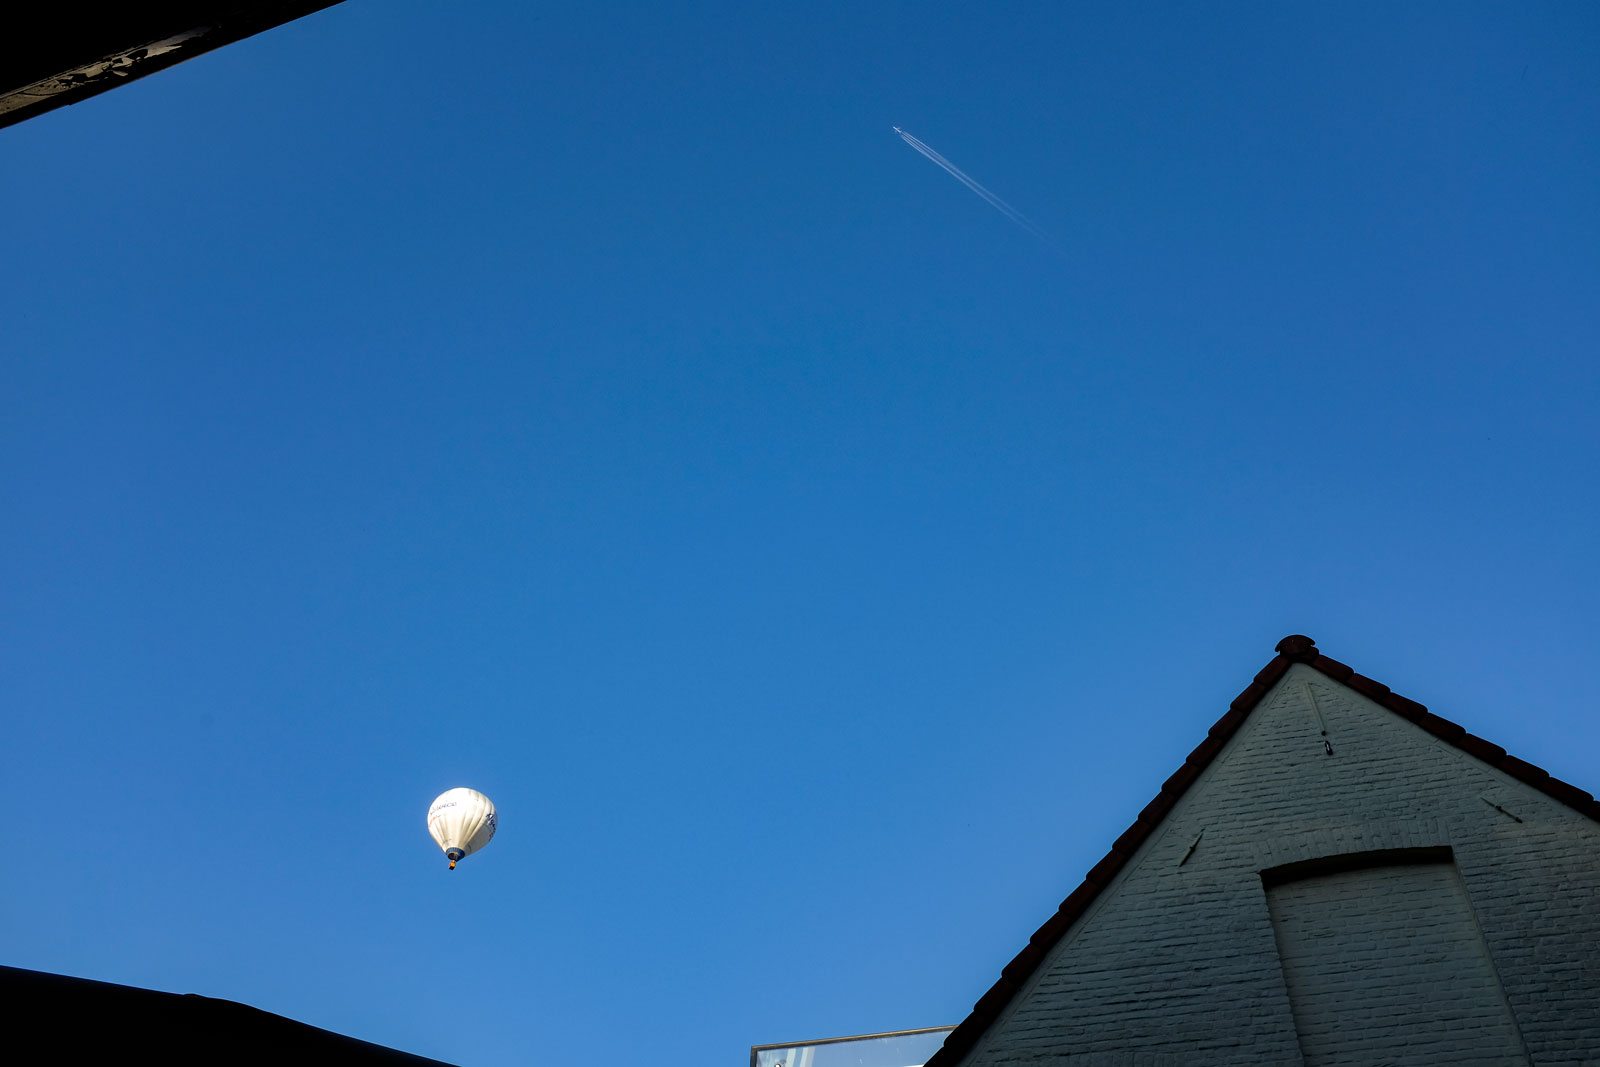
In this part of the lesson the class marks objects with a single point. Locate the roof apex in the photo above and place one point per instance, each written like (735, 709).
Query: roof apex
(1295, 648)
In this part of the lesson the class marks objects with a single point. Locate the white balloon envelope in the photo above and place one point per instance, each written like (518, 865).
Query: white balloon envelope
(462, 821)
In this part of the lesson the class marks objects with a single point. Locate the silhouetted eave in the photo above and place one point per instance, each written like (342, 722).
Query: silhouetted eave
(55, 54)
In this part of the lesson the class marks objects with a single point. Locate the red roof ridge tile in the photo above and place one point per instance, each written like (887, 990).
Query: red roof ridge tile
(1296, 648)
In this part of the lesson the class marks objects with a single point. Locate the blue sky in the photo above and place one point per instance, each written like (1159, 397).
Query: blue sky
(601, 407)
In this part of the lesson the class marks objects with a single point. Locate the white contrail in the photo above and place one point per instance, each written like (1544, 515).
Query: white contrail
(961, 176)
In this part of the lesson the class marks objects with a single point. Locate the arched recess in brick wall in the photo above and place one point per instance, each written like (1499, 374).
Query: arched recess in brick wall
(1385, 963)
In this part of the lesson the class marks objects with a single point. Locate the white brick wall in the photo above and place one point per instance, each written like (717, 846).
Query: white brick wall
(1176, 963)
(1386, 965)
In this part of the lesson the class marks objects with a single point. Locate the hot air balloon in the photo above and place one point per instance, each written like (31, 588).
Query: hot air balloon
(462, 821)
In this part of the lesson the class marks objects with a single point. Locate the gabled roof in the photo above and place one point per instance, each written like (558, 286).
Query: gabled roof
(1293, 649)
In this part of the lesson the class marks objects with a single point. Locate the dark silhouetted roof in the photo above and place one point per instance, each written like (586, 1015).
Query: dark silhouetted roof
(62, 51)
(1293, 649)
(51, 1018)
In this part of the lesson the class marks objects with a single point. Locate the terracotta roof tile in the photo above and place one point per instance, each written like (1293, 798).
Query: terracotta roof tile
(1477, 746)
(1272, 672)
(1441, 727)
(1077, 900)
(1131, 838)
(1331, 667)
(1023, 963)
(1205, 750)
(1409, 708)
(1053, 928)
(1157, 809)
(992, 1002)
(1524, 770)
(1367, 687)
(1181, 778)
(1296, 647)
(1102, 873)
(1250, 697)
(1568, 794)
(1230, 722)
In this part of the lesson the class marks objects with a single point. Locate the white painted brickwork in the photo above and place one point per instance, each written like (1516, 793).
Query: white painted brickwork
(1386, 965)
(1176, 963)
